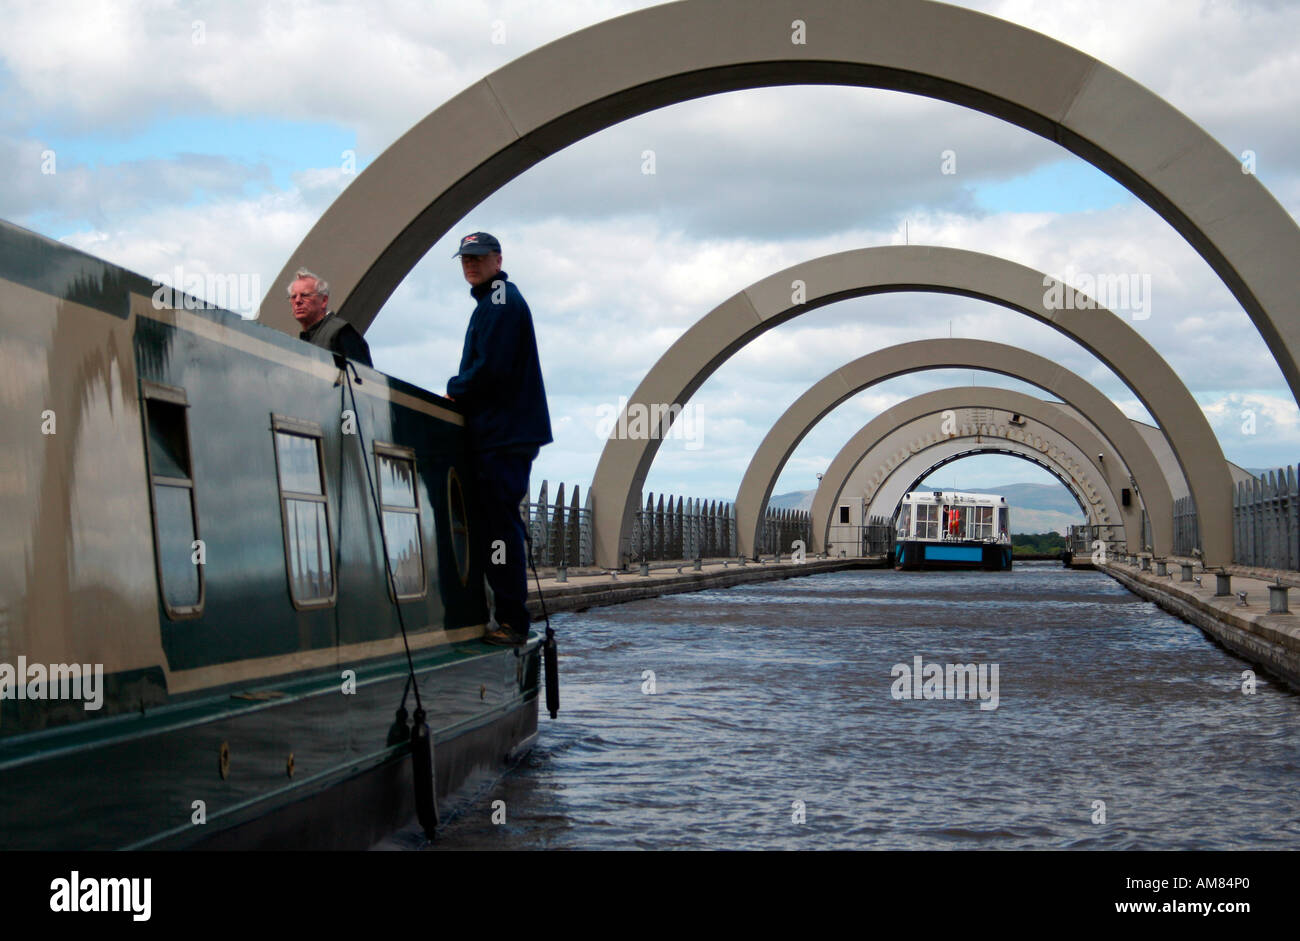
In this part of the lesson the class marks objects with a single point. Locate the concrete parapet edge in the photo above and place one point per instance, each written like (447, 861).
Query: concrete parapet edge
(594, 591)
(1269, 641)
(1290, 579)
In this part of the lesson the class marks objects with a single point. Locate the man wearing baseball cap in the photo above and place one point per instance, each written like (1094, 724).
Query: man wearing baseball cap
(499, 389)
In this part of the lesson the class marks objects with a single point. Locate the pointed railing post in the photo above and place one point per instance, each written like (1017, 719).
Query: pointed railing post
(587, 544)
(557, 556)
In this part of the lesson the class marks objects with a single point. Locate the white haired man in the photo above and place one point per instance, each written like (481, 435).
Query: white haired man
(309, 295)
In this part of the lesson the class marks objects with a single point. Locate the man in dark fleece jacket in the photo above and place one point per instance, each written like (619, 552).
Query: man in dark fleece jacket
(499, 389)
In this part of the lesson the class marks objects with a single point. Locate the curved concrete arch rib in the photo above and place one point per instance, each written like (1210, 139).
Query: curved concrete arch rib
(708, 343)
(865, 371)
(390, 215)
(879, 476)
(880, 438)
(905, 449)
(906, 476)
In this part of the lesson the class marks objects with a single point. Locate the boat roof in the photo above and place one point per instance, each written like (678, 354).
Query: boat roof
(955, 496)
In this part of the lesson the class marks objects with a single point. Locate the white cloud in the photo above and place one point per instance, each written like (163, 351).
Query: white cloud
(616, 265)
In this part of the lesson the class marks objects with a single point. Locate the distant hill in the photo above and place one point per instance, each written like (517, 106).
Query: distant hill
(1025, 520)
(1051, 497)
(798, 500)
(1035, 508)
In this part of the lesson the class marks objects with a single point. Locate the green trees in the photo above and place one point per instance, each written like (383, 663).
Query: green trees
(1036, 543)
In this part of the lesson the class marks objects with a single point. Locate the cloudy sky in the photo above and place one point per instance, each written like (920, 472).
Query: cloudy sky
(210, 136)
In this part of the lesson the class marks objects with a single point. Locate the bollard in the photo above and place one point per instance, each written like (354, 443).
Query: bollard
(563, 574)
(1187, 572)
(1162, 569)
(1145, 563)
(699, 565)
(645, 569)
(741, 560)
(1277, 599)
(1222, 584)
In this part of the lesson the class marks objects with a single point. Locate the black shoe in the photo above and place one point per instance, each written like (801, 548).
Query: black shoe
(505, 636)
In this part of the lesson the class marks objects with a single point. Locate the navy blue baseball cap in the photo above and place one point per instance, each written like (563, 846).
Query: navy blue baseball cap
(477, 243)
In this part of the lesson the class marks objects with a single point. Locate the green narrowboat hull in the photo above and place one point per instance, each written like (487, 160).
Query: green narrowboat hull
(241, 694)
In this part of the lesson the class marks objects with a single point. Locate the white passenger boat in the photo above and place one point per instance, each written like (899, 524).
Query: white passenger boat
(948, 529)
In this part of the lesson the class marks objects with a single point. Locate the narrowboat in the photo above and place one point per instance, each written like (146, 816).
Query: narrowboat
(232, 565)
(953, 530)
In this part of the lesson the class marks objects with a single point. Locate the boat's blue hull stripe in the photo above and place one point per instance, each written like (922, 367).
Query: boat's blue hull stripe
(954, 553)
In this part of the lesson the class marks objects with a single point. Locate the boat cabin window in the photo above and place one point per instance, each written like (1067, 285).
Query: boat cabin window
(1004, 520)
(981, 522)
(927, 521)
(905, 521)
(401, 514)
(844, 514)
(309, 556)
(171, 493)
(953, 522)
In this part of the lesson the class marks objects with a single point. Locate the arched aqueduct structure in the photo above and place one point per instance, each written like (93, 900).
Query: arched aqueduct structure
(1110, 424)
(885, 473)
(901, 478)
(386, 220)
(738, 320)
(1081, 458)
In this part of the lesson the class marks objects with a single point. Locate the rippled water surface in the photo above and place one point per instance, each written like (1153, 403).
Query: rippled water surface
(781, 692)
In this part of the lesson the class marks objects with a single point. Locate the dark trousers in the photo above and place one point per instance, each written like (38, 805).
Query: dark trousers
(502, 482)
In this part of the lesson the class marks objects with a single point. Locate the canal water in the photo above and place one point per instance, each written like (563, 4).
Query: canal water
(770, 716)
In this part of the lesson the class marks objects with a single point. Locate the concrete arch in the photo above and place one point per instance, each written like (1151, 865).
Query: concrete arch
(875, 472)
(911, 426)
(708, 343)
(917, 467)
(788, 430)
(894, 468)
(905, 476)
(387, 218)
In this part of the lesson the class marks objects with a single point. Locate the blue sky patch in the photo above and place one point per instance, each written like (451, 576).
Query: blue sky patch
(283, 146)
(1072, 185)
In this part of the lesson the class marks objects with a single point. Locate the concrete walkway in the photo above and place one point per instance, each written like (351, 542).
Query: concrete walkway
(1271, 641)
(589, 587)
